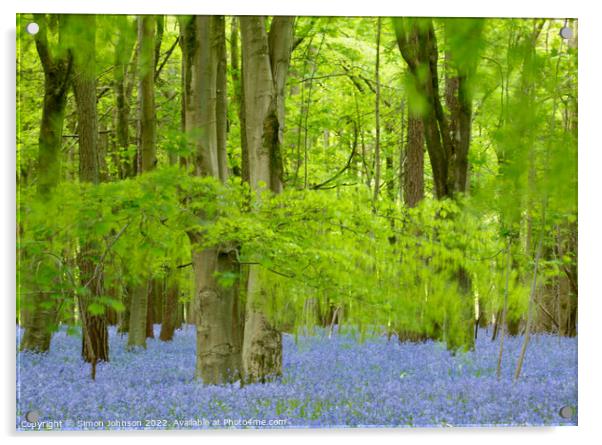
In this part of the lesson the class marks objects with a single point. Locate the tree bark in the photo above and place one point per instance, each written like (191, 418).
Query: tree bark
(150, 313)
(218, 342)
(147, 157)
(170, 309)
(221, 106)
(413, 179)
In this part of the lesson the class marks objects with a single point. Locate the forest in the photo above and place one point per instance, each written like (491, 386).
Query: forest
(268, 222)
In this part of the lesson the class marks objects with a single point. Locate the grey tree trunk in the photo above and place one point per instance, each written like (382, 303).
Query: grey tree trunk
(215, 304)
(147, 158)
(265, 66)
(218, 341)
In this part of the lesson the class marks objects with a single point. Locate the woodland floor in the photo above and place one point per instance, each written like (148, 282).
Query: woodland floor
(335, 382)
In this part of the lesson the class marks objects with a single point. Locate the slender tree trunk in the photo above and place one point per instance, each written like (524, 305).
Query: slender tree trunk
(238, 87)
(150, 304)
(147, 157)
(413, 180)
(523, 350)
(95, 345)
(146, 160)
(122, 84)
(377, 116)
(504, 310)
(124, 317)
(221, 107)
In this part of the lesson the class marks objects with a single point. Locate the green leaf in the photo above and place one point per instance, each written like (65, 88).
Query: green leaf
(96, 308)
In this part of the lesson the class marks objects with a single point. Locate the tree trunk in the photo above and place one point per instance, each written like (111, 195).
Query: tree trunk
(235, 69)
(139, 326)
(124, 317)
(147, 158)
(150, 303)
(95, 344)
(377, 115)
(221, 106)
(37, 317)
(266, 60)
(170, 309)
(123, 85)
(218, 342)
(215, 303)
(413, 179)
(138, 313)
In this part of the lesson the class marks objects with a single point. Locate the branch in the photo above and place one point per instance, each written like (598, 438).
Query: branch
(42, 43)
(282, 274)
(167, 55)
(340, 172)
(548, 314)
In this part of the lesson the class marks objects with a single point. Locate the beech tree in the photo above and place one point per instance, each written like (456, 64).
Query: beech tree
(216, 301)
(266, 57)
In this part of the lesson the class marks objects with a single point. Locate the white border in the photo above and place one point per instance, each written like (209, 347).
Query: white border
(439, 8)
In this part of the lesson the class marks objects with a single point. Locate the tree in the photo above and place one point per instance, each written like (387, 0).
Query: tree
(38, 314)
(95, 337)
(216, 269)
(146, 161)
(413, 178)
(377, 114)
(266, 58)
(447, 135)
(123, 85)
(170, 309)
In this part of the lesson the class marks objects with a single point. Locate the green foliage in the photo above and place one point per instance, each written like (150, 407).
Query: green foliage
(323, 245)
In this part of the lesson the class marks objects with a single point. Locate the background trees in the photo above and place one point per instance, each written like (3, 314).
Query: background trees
(276, 179)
